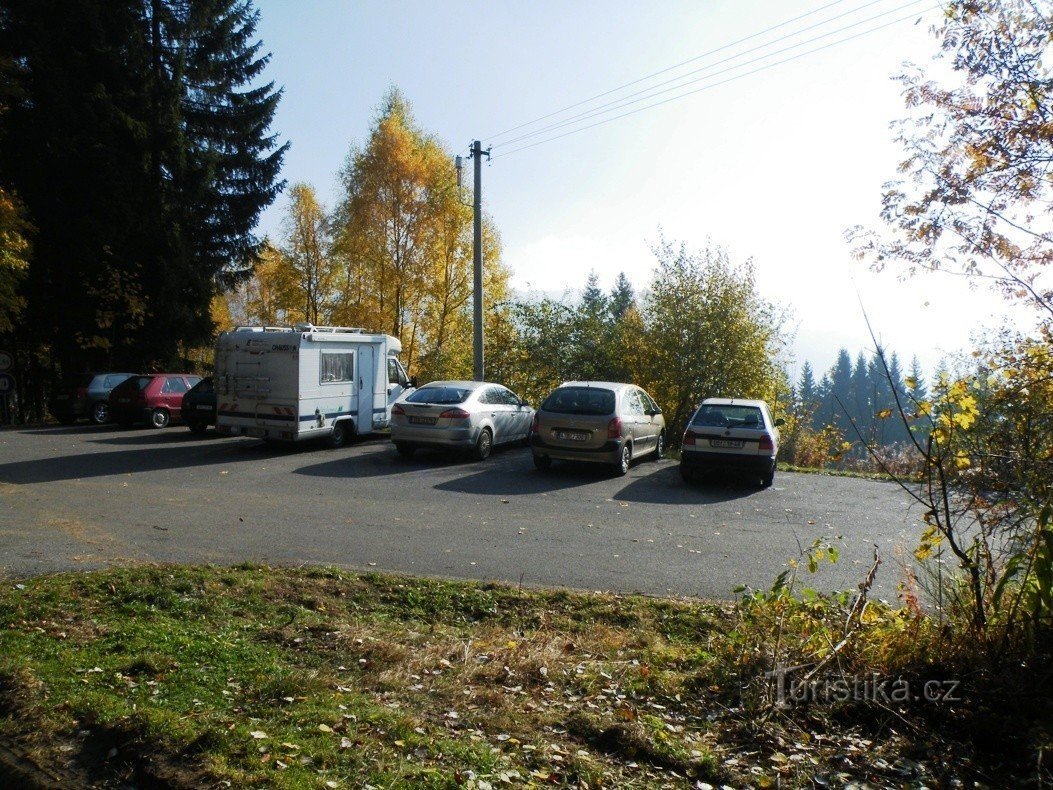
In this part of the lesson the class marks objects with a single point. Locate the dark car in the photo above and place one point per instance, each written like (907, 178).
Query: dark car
(85, 396)
(154, 398)
(199, 406)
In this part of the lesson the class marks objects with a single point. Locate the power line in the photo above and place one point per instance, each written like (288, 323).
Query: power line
(717, 84)
(663, 71)
(670, 68)
(652, 92)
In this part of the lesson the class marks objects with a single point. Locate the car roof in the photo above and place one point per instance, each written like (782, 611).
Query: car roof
(733, 402)
(602, 385)
(470, 385)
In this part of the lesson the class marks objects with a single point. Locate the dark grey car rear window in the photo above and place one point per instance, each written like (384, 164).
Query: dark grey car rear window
(439, 395)
(579, 400)
(729, 416)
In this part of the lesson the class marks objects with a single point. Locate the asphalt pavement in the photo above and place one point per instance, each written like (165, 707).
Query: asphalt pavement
(86, 497)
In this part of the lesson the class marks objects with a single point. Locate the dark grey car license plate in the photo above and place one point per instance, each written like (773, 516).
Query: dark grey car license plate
(422, 420)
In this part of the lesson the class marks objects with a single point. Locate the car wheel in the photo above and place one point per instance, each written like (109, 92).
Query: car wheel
(160, 418)
(197, 427)
(659, 448)
(768, 479)
(542, 462)
(483, 445)
(338, 436)
(624, 460)
(100, 413)
(405, 450)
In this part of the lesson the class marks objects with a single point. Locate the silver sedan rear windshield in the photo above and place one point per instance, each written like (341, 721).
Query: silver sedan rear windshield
(579, 400)
(440, 395)
(729, 416)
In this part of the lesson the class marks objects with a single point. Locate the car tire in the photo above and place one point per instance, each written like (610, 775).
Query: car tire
(197, 427)
(100, 413)
(338, 436)
(483, 445)
(405, 450)
(768, 479)
(624, 460)
(542, 463)
(159, 418)
(659, 448)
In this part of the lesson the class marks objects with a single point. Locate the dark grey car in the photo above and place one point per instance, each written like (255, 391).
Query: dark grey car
(599, 421)
(85, 396)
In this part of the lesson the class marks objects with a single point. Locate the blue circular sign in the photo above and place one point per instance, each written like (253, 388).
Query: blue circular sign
(7, 384)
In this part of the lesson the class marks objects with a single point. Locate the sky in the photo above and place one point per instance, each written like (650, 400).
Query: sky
(773, 166)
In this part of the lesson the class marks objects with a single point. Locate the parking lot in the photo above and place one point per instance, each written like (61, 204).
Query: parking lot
(89, 496)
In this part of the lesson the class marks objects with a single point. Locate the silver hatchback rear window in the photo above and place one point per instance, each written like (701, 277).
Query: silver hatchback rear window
(729, 416)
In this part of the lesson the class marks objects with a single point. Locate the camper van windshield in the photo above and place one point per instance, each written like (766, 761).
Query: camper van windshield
(439, 395)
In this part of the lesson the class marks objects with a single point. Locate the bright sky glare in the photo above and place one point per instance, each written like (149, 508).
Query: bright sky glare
(774, 166)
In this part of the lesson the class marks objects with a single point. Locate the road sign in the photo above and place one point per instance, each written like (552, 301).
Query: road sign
(7, 384)
(6, 361)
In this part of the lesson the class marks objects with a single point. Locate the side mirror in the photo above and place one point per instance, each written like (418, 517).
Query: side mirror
(779, 422)
(413, 382)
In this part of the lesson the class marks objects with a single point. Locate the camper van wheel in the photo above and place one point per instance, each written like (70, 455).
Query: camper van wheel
(159, 418)
(339, 434)
(405, 450)
(483, 445)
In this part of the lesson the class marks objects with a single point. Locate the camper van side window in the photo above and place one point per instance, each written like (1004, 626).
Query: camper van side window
(337, 367)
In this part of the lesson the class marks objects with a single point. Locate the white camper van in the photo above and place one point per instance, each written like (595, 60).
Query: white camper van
(306, 382)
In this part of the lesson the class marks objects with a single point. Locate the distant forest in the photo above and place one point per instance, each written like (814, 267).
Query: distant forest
(861, 392)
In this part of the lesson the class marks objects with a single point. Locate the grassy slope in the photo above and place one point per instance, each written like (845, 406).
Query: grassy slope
(320, 678)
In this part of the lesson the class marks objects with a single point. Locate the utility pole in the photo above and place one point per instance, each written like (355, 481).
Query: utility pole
(477, 261)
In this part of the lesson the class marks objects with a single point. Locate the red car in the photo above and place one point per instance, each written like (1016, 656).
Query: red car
(154, 398)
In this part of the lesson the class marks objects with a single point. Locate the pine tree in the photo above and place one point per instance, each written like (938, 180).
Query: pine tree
(839, 394)
(916, 386)
(139, 147)
(806, 386)
(622, 296)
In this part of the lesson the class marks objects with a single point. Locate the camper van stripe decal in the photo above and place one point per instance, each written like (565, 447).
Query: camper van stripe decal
(253, 415)
(327, 415)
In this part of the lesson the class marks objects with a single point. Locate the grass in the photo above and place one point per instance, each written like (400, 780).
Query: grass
(315, 677)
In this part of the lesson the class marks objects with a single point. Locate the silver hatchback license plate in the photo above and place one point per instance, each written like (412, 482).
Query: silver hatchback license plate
(422, 420)
(572, 436)
(734, 444)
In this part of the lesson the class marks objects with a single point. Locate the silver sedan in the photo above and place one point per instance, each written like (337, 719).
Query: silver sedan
(464, 415)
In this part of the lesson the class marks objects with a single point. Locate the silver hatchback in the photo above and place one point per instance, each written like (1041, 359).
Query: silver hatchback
(465, 415)
(598, 421)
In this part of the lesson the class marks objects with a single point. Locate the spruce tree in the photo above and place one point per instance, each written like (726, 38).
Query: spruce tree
(622, 297)
(138, 141)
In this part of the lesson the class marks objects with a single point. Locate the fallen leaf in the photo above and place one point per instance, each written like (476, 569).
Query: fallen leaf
(324, 728)
(258, 734)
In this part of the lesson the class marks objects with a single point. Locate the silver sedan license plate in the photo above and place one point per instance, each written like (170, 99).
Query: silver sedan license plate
(422, 420)
(734, 444)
